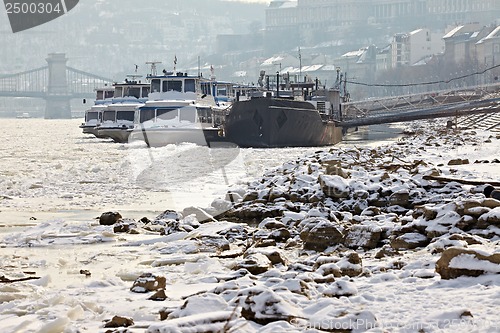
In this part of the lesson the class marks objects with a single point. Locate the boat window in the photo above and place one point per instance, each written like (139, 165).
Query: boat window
(188, 113)
(108, 116)
(205, 115)
(172, 85)
(146, 115)
(189, 85)
(133, 92)
(166, 114)
(221, 91)
(109, 94)
(145, 91)
(125, 115)
(92, 116)
(99, 95)
(205, 88)
(118, 92)
(155, 85)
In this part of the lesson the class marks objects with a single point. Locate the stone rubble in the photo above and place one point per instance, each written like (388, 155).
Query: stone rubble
(304, 231)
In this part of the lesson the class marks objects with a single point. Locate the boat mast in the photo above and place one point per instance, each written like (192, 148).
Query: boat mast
(300, 66)
(153, 67)
(199, 67)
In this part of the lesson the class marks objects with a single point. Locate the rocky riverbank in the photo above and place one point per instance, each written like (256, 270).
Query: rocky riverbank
(398, 238)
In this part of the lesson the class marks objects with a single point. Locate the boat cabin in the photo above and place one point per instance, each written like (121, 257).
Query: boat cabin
(130, 90)
(93, 116)
(179, 82)
(118, 115)
(170, 86)
(222, 92)
(104, 93)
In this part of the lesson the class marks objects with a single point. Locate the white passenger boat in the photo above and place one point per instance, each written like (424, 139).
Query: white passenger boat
(118, 116)
(127, 95)
(93, 116)
(180, 108)
(117, 119)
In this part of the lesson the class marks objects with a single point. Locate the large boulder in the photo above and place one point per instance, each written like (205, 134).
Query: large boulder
(125, 225)
(457, 261)
(149, 282)
(400, 198)
(169, 215)
(319, 233)
(491, 217)
(109, 218)
(264, 306)
(201, 214)
(255, 263)
(458, 161)
(365, 236)
(118, 321)
(351, 265)
(491, 203)
(334, 186)
(409, 241)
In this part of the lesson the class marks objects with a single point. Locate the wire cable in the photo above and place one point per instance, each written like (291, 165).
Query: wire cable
(421, 83)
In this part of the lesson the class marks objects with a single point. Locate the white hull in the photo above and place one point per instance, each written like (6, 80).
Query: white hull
(89, 129)
(119, 135)
(158, 137)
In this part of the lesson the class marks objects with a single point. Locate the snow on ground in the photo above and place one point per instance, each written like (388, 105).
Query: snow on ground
(344, 239)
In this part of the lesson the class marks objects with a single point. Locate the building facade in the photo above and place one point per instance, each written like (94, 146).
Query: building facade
(309, 22)
(408, 49)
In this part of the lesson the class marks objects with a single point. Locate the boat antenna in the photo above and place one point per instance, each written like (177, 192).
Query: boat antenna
(212, 72)
(339, 79)
(133, 78)
(199, 67)
(175, 62)
(300, 65)
(153, 67)
(346, 93)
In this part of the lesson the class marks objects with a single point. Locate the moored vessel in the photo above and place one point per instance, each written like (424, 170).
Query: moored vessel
(93, 115)
(114, 109)
(293, 115)
(117, 119)
(181, 108)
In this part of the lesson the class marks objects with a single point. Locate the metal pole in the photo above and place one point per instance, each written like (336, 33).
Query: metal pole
(277, 84)
(300, 66)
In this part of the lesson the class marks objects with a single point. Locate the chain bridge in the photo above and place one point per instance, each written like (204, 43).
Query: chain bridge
(56, 83)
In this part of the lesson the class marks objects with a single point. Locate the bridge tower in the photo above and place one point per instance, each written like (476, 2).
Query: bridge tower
(58, 98)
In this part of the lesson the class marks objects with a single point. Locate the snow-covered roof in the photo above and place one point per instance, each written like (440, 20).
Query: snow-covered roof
(453, 32)
(305, 69)
(357, 53)
(289, 4)
(240, 74)
(283, 4)
(423, 61)
(494, 34)
(311, 68)
(329, 68)
(273, 60)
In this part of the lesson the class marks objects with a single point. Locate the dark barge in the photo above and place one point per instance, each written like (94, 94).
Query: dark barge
(300, 116)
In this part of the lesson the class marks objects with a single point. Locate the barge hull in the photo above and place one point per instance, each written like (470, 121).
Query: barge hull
(270, 122)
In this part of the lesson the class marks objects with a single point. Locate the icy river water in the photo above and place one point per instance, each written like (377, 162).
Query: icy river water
(50, 170)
